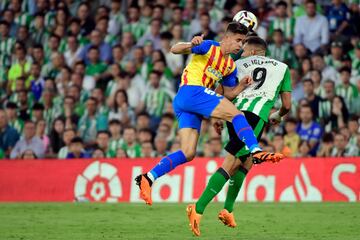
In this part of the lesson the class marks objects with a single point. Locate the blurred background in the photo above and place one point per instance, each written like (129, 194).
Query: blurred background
(94, 79)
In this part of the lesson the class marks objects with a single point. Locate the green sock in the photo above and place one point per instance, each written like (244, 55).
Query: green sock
(234, 188)
(214, 186)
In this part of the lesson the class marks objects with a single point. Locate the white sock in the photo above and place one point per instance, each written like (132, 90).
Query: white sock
(152, 178)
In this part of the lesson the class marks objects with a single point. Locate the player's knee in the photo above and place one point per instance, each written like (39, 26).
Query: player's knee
(189, 153)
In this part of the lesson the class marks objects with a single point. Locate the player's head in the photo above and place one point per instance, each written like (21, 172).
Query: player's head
(234, 35)
(254, 46)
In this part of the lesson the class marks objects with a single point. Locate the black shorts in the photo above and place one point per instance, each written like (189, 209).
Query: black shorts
(235, 146)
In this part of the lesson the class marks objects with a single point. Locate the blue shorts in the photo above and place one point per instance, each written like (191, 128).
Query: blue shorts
(192, 103)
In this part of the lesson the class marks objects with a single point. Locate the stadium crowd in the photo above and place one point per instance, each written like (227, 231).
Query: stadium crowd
(96, 79)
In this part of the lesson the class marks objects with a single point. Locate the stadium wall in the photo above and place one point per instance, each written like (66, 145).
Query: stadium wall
(313, 180)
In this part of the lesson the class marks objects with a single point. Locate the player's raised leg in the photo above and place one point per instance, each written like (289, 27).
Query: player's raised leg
(227, 111)
(188, 142)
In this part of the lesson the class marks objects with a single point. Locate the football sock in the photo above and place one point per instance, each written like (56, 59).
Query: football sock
(245, 133)
(235, 184)
(214, 186)
(167, 164)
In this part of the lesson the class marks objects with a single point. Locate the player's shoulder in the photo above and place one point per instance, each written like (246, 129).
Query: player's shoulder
(211, 42)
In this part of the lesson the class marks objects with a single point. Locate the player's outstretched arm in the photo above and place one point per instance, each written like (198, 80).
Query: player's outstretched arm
(232, 92)
(185, 47)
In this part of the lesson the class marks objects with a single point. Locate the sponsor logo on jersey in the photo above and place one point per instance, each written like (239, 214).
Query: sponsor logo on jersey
(213, 73)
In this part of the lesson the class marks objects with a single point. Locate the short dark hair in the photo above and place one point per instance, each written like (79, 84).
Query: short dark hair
(114, 121)
(77, 140)
(103, 132)
(257, 41)
(4, 22)
(291, 120)
(345, 69)
(310, 1)
(158, 73)
(281, 3)
(309, 80)
(38, 106)
(11, 105)
(278, 30)
(166, 35)
(145, 114)
(235, 27)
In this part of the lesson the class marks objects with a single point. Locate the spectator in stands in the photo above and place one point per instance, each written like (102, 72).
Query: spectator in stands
(312, 99)
(97, 40)
(206, 31)
(354, 129)
(56, 135)
(174, 61)
(20, 67)
(153, 35)
(121, 153)
(37, 81)
(87, 23)
(76, 149)
(308, 129)
(103, 142)
(291, 138)
(296, 85)
(12, 117)
(283, 22)
(346, 89)
(73, 51)
(144, 135)
(280, 146)
(116, 140)
(340, 147)
(335, 56)
(29, 141)
(147, 150)
(120, 108)
(134, 26)
(98, 153)
(8, 135)
(40, 133)
(327, 72)
(161, 145)
(28, 155)
(91, 121)
(339, 113)
(315, 37)
(304, 149)
(68, 135)
(130, 145)
(155, 99)
(339, 17)
(326, 145)
(142, 120)
(279, 49)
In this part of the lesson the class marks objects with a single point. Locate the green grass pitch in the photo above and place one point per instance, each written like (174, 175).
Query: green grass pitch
(87, 221)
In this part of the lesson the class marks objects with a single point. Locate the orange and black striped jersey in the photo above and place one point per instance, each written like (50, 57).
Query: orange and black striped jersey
(208, 65)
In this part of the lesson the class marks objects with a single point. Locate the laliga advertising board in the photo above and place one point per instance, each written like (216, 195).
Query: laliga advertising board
(321, 179)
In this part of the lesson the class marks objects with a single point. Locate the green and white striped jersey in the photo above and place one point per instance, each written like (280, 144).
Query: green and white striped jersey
(270, 76)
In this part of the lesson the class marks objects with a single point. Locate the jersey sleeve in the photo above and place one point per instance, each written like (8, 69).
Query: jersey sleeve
(286, 82)
(202, 48)
(316, 133)
(231, 79)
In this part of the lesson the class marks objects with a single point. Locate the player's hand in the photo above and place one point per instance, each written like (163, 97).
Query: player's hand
(275, 118)
(246, 81)
(219, 126)
(197, 40)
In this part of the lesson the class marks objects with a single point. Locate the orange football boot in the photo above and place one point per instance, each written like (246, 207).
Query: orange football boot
(262, 156)
(227, 218)
(145, 188)
(194, 219)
